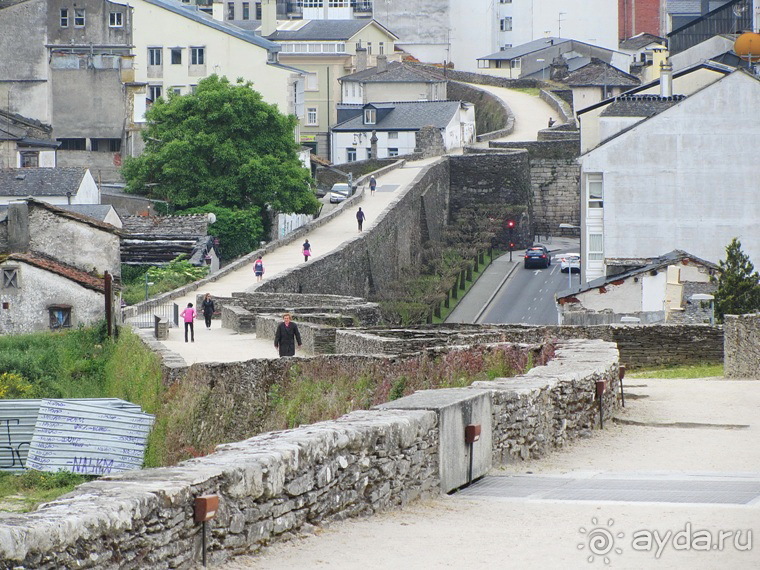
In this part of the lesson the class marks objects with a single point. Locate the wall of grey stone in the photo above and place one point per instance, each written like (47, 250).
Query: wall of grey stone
(278, 485)
(556, 194)
(373, 259)
(543, 149)
(563, 109)
(742, 346)
(316, 338)
(639, 345)
(498, 180)
(694, 312)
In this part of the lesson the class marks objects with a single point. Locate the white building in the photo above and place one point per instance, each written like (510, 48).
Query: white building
(460, 31)
(396, 126)
(672, 172)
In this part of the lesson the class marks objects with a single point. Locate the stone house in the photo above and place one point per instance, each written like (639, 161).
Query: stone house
(325, 50)
(25, 142)
(60, 186)
(46, 282)
(672, 171)
(596, 81)
(656, 291)
(396, 81)
(398, 129)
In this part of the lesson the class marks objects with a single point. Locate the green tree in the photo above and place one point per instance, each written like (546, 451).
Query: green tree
(223, 146)
(738, 285)
(239, 231)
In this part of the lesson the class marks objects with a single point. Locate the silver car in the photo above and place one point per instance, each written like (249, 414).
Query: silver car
(339, 192)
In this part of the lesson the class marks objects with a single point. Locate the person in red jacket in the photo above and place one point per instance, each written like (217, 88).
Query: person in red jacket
(188, 315)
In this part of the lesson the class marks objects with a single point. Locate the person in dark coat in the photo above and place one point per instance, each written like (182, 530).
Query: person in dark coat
(208, 309)
(286, 336)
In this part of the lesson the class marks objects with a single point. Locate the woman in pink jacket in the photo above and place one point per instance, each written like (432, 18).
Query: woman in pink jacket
(188, 315)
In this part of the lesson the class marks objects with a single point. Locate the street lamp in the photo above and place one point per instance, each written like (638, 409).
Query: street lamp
(569, 269)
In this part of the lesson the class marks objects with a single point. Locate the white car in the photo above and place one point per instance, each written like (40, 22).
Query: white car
(570, 262)
(339, 192)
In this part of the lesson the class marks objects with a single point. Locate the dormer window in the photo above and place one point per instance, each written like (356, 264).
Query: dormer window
(370, 116)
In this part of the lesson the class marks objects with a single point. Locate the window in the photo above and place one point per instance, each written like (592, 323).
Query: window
(72, 144)
(393, 135)
(154, 92)
(595, 190)
(30, 159)
(369, 48)
(105, 145)
(311, 116)
(197, 56)
(64, 17)
(312, 82)
(230, 10)
(10, 278)
(515, 63)
(176, 56)
(177, 90)
(246, 11)
(312, 3)
(370, 116)
(505, 1)
(392, 152)
(258, 10)
(154, 56)
(193, 88)
(79, 17)
(116, 20)
(596, 247)
(381, 48)
(60, 316)
(351, 154)
(506, 24)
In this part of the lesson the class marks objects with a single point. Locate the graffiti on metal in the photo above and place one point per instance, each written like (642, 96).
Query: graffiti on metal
(88, 436)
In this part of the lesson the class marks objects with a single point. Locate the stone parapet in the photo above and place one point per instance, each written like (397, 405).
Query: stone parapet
(742, 346)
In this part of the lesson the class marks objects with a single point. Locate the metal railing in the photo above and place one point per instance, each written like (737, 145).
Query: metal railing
(145, 318)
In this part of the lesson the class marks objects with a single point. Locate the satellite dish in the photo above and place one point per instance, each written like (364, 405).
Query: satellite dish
(739, 9)
(211, 218)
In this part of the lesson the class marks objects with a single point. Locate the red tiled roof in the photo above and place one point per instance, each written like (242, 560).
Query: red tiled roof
(77, 275)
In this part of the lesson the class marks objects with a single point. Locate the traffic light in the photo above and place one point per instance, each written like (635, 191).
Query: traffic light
(511, 245)
(510, 224)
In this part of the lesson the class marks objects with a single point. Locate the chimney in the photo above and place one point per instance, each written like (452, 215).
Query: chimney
(361, 59)
(666, 79)
(382, 63)
(268, 17)
(217, 10)
(18, 227)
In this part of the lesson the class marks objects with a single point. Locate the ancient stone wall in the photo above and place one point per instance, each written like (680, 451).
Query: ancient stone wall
(372, 260)
(742, 346)
(278, 485)
(556, 195)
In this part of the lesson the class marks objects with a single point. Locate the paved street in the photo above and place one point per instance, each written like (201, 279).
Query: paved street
(687, 467)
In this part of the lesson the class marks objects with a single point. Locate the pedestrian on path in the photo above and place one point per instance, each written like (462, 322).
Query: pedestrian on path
(306, 250)
(360, 217)
(551, 122)
(207, 307)
(286, 336)
(258, 268)
(372, 185)
(188, 315)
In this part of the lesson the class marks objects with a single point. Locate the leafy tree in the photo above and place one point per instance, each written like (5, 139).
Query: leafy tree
(738, 285)
(239, 231)
(224, 146)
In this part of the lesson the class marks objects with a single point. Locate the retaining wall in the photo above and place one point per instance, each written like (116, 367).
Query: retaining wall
(277, 485)
(742, 346)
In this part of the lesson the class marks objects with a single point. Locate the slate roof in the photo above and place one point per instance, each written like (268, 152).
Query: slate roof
(527, 48)
(95, 211)
(600, 73)
(325, 30)
(642, 40)
(397, 72)
(72, 273)
(193, 13)
(57, 181)
(405, 116)
(194, 225)
(70, 213)
(675, 256)
(640, 105)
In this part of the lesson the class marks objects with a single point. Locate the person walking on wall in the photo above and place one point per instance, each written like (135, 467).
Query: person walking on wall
(258, 268)
(207, 307)
(286, 336)
(306, 250)
(188, 315)
(360, 217)
(372, 185)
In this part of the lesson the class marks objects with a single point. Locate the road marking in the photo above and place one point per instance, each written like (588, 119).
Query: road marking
(536, 272)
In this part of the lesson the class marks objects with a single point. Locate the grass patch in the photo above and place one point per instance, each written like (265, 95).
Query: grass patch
(468, 285)
(701, 370)
(534, 91)
(24, 492)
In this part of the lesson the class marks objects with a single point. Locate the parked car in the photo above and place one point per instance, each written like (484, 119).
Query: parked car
(537, 256)
(570, 262)
(339, 192)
